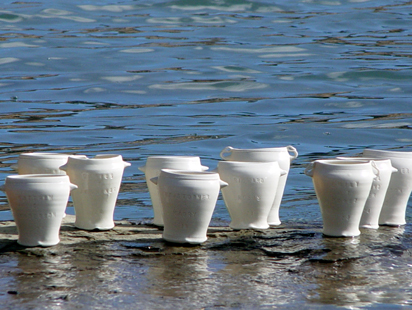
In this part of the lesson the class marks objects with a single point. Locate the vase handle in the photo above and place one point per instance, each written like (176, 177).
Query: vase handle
(375, 169)
(227, 149)
(309, 169)
(294, 152)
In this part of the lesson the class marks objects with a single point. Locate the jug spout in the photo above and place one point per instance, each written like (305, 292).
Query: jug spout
(154, 180)
(64, 167)
(309, 169)
(126, 164)
(223, 184)
(15, 167)
(3, 188)
(142, 168)
(73, 186)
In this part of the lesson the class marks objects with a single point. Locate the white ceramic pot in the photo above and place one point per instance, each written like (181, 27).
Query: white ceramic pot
(188, 200)
(283, 155)
(342, 188)
(98, 180)
(40, 163)
(373, 206)
(38, 203)
(400, 186)
(152, 169)
(250, 192)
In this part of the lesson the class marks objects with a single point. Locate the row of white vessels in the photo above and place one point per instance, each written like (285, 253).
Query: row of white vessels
(366, 191)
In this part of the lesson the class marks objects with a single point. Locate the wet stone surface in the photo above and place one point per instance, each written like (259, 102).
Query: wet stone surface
(131, 267)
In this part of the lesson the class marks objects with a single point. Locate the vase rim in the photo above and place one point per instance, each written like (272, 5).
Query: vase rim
(388, 153)
(191, 175)
(37, 178)
(43, 155)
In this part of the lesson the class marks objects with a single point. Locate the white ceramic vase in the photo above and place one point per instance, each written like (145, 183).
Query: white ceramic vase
(40, 163)
(399, 189)
(98, 180)
(342, 188)
(373, 206)
(38, 203)
(283, 155)
(188, 199)
(250, 192)
(152, 169)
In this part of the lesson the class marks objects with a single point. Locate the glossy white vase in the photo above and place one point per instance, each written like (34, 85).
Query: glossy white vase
(342, 188)
(399, 189)
(152, 169)
(250, 192)
(188, 199)
(38, 203)
(283, 155)
(40, 163)
(98, 180)
(374, 203)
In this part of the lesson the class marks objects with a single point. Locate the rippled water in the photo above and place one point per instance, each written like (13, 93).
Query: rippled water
(190, 77)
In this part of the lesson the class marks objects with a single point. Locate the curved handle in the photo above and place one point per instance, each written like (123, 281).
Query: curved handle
(126, 164)
(227, 149)
(64, 167)
(375, 169)
(223, 184)
(204, 168)
(155, 180)
(73, 186)
(142, 168)
(15, 167)
(294, 152)
(309, 169)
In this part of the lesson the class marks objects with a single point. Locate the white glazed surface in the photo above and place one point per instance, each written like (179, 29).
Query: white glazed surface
(400, 186)
(38, 204)
(373, 206)
(188, 199)
(280, 154)
(342, 188)
(250, 192)
(98, 180)
(40, 163)
(152, 169)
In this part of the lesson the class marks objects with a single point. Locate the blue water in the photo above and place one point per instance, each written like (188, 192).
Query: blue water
(191, 77)
(142, 78)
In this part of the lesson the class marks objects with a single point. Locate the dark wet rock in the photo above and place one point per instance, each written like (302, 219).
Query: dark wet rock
(291, 264)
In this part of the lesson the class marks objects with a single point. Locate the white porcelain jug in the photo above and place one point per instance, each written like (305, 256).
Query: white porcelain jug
(342, 188)
(98, 180)
(400, 187)
(283, 155)
(38, 203)
(250, 192)
(152, 169)
(40, 163)
(188, 199)
(373, 206)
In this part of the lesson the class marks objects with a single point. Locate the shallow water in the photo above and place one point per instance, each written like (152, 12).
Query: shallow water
(192, 77)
